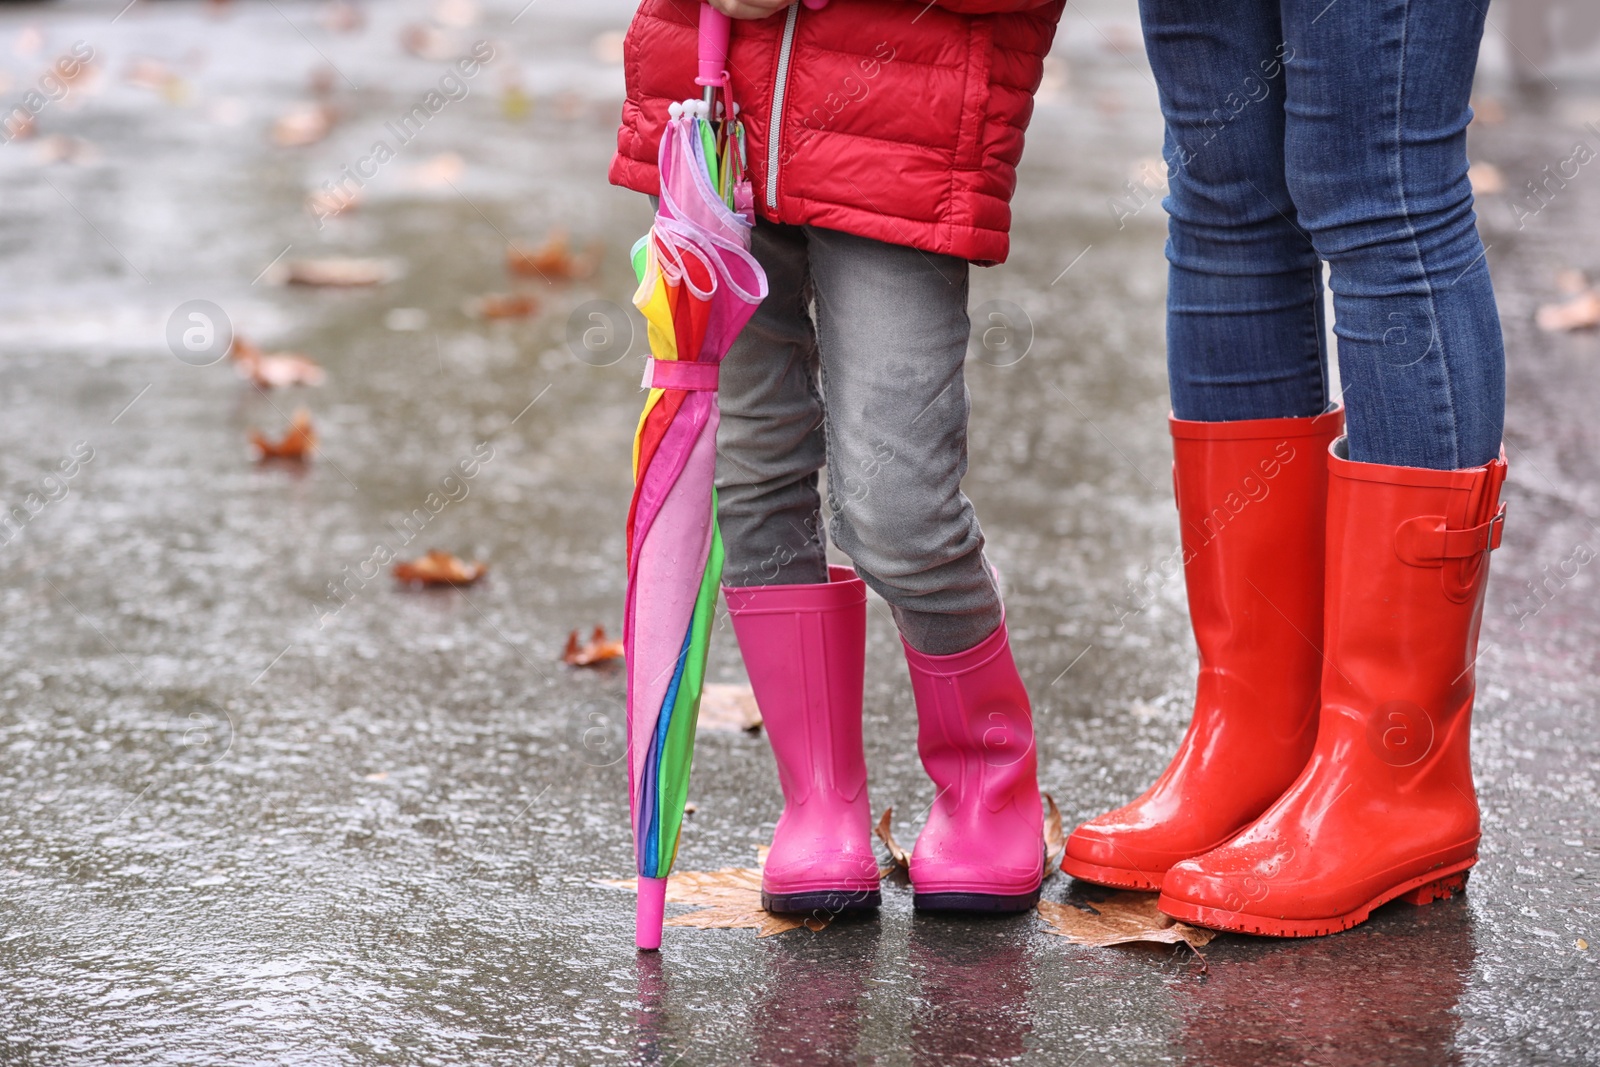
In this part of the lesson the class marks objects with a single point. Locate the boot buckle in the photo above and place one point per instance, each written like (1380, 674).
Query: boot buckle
(1426, 541)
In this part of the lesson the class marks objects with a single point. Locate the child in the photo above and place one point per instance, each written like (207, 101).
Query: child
(882, 141)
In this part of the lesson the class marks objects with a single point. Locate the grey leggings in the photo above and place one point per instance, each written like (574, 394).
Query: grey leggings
(855, 360)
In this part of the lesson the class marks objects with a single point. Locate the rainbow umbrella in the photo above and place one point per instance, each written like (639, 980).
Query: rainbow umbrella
(698, 286)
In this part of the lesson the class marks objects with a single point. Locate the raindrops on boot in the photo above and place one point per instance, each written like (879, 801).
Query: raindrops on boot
(1385, 808)
(1252, 501)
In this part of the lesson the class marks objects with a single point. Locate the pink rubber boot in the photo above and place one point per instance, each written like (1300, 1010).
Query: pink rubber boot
(983, 846)
(804, 647)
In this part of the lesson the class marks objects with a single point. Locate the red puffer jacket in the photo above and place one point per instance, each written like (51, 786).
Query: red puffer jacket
(896, 120)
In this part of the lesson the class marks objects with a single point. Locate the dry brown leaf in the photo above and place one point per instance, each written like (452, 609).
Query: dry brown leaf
(899, 858)
(502, 306)
(340, 271)
(328, 203)
(728, 707)
(1571, 282)
(302, 124)
(600, 649)
(341, 16)
(60, 148)
(437, 172)
(270, 370)
(429, 42)
(1486, 179)
(147, 73)
(1122, 918)
(1055, 843)
(727, 899)
(458, 13)
(553, 260)
(439, 568)
(296, 444)
(607, 47)
(1582, 312)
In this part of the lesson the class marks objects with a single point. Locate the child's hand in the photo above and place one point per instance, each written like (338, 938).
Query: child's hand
(749, 9)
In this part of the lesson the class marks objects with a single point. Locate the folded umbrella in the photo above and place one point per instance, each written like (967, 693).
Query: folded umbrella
(698, 286)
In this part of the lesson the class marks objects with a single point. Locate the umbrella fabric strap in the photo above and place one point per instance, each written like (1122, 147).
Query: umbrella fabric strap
(680, 374)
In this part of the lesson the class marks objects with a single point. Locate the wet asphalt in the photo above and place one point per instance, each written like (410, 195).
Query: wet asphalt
(244, 821)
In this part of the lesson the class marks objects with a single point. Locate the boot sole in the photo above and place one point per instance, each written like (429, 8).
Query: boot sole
(831, 901)
(1114, 877)
(1435, 885)
(986, 903)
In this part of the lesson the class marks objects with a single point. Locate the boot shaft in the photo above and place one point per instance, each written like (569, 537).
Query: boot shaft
(975, 725)
(1252, 500)
(1408, 564)
(804, 647)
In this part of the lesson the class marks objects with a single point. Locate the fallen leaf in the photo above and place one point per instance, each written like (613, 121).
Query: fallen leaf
(690, 808)
(515, 103)
(1571, 282)
(554, 260)
(296, 444)
(60, 148)
(727, 899)
(1122, 918)
(328, 203)
(341, 16)
(147, 73)
(1580, 313)
(457, 13)
(302, 124)
(1486, 179)
(1583, 946)
(340, 271)
(607, 47)
(429, 42)
(600, 649)
(438, 171)
(439, 568)
(1055, 843)
(502, 306)
(899, 858)
(377, 776)
(728, 707)
(273, 369)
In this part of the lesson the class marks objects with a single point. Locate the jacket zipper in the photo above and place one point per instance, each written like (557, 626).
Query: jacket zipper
(780, 88)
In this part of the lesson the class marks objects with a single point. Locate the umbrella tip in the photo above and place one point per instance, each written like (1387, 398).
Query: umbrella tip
(651, 914)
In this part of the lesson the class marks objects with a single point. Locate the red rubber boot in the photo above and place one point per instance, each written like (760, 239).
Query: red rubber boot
(982, 848)
(804, 647)
(1252, 499)
(1385, 808)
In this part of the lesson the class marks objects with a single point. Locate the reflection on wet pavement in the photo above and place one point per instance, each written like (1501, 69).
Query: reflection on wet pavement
(260, 805)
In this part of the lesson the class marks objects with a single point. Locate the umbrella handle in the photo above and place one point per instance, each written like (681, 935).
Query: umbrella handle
(715, 28)
(651, 915)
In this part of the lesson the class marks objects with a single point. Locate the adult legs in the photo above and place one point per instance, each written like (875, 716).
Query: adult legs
(1244, 302)
(1375, 150)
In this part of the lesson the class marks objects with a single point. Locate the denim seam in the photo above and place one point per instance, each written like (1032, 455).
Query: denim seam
(1416, 246)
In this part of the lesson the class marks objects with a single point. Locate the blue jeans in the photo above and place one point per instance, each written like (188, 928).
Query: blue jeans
(1308, 130)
